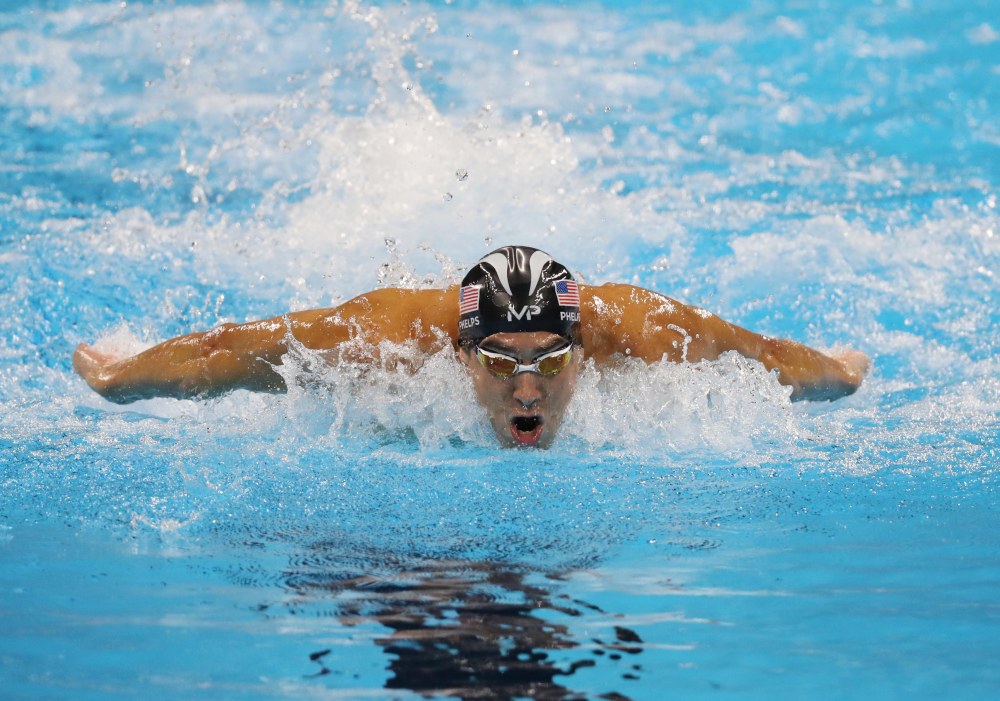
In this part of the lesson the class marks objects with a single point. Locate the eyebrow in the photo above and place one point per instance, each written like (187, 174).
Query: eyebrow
(502, 347)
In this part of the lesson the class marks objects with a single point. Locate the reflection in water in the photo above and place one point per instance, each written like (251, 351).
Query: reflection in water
(471, 630)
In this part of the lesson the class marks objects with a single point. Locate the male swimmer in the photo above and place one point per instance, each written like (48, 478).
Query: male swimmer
(519, 322)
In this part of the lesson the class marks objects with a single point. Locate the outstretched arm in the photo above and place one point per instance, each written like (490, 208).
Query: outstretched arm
(243, 356)
(637, 322)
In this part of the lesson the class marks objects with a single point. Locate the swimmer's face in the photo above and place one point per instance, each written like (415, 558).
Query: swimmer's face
(525, 408)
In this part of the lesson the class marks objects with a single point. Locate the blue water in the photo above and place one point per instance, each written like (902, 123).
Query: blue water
(826, 172)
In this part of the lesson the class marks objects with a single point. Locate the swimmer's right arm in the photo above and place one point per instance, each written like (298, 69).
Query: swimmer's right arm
(243, 356)
(198, 364)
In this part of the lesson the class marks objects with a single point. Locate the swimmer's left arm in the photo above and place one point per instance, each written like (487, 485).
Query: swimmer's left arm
(644, 324)
(811, 374)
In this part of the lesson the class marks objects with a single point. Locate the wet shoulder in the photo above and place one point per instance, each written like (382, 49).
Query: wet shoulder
(421, 314)
(615, 303)
(389, 314)
(628, 320)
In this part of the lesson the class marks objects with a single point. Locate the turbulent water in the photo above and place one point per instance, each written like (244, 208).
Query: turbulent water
(823, 173)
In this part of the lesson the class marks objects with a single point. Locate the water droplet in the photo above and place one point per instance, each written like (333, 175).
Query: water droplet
(447, 197)
(462, 174)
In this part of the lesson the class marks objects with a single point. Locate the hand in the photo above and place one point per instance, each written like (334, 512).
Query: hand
(93, 366)
(856, 364)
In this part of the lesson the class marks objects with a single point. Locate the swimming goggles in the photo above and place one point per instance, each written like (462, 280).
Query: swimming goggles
(547, 364)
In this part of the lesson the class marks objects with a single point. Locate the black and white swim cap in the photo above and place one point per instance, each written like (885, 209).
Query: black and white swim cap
(517, 289)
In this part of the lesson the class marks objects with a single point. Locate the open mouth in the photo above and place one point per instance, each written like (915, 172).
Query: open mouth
(526, 430)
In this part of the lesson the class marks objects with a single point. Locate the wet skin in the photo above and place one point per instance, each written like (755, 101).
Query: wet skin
(527, 408)
(616, 321)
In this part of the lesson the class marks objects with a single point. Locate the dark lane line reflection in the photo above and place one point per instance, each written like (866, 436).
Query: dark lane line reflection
(466, 629)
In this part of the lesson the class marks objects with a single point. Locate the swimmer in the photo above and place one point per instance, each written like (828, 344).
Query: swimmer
(518, 321)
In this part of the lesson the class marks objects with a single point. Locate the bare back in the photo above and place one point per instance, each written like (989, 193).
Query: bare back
(616, 320)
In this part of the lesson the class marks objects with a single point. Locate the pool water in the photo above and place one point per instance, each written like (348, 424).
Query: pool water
(826, 172)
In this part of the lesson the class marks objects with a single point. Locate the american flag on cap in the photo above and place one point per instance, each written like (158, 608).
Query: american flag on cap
(468, 299)
(567, 293)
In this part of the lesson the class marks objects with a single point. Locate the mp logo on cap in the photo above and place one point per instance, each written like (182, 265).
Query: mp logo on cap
(525, 312)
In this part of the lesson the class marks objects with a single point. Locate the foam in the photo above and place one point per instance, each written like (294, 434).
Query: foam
(732, 405)
(296, 173)
(982, 34)
(344, 184)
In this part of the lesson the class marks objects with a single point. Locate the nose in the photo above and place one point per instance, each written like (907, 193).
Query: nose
(527, 389)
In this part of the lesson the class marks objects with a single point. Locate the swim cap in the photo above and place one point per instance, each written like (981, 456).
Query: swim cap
(517, 289)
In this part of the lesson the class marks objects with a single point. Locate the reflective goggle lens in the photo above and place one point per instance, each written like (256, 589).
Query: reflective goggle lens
(555, 363)
(499, 365)
(505, 366)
